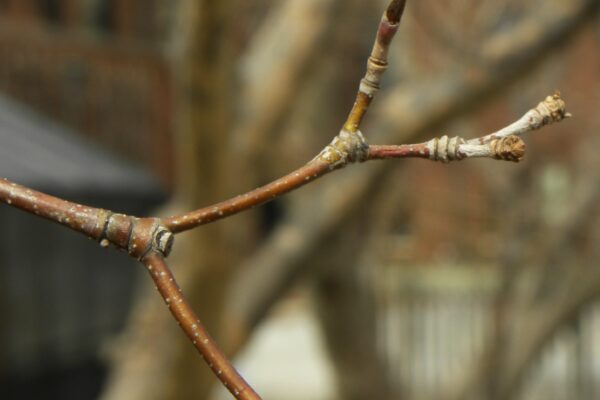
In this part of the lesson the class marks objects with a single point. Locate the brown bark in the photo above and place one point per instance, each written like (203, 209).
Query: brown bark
(203, 67)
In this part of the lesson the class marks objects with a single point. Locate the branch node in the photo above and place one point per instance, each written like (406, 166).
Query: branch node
(445, 149)
(137, 236)
(347, 147)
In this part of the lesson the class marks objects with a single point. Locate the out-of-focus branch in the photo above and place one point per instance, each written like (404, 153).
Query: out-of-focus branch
(283, 49)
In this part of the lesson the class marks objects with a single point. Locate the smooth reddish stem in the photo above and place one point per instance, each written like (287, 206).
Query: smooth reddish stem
(383, 152)
(83, 219)
(194, 330)
(300, 177)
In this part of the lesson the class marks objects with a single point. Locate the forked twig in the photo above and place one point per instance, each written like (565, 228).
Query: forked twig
(150, 239)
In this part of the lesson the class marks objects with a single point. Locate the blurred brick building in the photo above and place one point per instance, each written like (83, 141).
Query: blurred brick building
(96, 66)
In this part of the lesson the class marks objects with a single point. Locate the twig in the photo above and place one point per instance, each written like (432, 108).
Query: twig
(376, 65)
(150, 239)
(224, 209)
(400, 119)
(504, 144)
(551, 110)
(349, 147)
(193, 328)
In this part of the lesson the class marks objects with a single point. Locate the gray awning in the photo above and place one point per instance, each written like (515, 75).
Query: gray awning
(38, 152)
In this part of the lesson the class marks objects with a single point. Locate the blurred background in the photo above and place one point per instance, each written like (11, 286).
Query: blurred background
(388, 280)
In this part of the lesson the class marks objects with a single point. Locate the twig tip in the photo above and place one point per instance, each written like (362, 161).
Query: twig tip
(395, 10)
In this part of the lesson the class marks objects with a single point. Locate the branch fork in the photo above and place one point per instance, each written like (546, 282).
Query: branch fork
(138, 236)
(347, 147)
(150, 239)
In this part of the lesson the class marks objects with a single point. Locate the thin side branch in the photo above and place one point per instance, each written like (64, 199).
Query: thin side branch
(224, 209)
(376, 65)
(349, 146)
(445, 149)
(504, 144)
(194, 330)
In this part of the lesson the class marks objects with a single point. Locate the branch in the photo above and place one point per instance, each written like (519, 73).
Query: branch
(193, 328)
(224, 209)
(150, 239)
(504, 144)
(351, 146)
(408, 112)
(376, 65)
(136, 236)
(348, 146)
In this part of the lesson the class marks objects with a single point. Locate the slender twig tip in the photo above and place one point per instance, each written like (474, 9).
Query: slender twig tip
(395, 10)
(554, 108)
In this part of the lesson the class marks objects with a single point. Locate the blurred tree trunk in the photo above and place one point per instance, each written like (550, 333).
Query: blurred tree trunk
(346, 308)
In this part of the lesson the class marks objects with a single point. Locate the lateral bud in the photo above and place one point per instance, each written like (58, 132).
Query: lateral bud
(509, 148)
